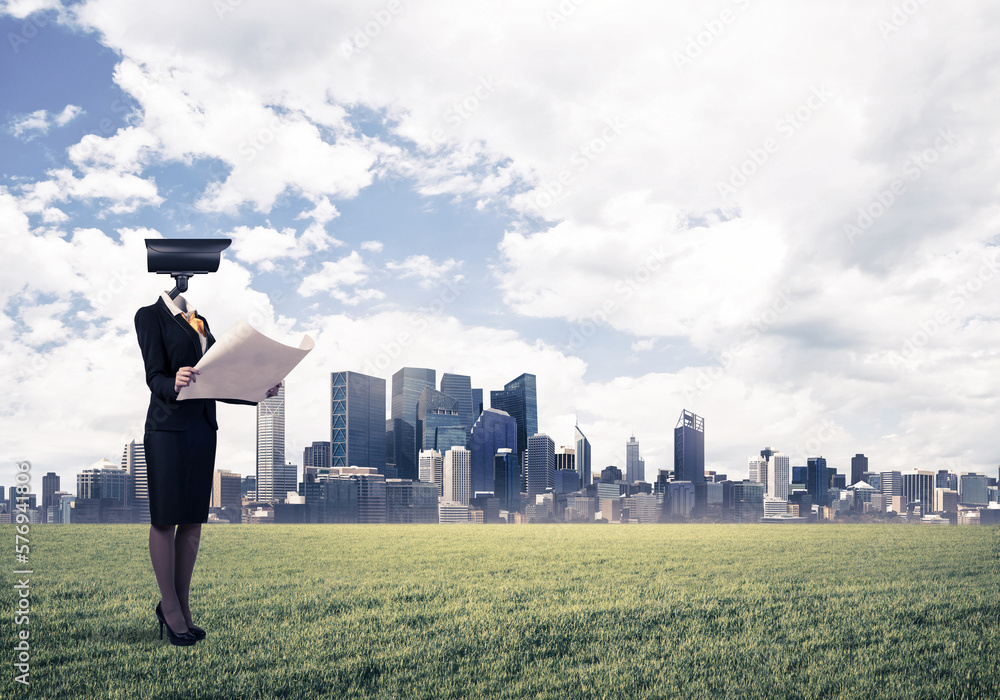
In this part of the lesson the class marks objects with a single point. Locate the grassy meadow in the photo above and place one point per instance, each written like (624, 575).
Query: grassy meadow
(534, 611)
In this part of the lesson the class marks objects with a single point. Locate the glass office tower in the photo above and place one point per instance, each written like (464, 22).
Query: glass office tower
(493, 431)
(357, 421)
(519, 399)
(818, 480)
(689, 448)
(407, 385)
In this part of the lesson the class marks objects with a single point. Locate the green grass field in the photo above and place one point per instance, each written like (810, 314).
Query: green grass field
(535, 611)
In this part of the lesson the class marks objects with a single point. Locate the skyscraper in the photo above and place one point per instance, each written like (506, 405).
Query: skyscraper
(407, 385)
(859, 465)
(541, 464)
(918, 487)
(134, 463)
(439, 424)
(519, 399)
(477, 402)
(432, 468)
(226, 489)
(756, 469)
(973, 490)
(507, 479)
(459, 387)
(271, 446)
(104, 480)
(50, 484)
(891, 483)
(399, 437)
(457, 470)
(634, 468)
(566, 459)
(494, 430)
(316, 455)
(582, 456)
(689, 448)
(778, 476)
(357, 421)
(818, 481)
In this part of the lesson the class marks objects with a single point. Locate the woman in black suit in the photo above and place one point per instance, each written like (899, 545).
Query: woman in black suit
(180, 440)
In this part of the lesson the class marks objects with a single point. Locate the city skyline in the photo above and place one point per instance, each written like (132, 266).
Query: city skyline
(784, 221)
(688, 424)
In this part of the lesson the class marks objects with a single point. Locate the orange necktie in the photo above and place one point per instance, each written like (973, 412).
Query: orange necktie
(195, 322)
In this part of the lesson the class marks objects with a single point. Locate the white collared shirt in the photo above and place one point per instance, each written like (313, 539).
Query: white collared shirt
(181, 306)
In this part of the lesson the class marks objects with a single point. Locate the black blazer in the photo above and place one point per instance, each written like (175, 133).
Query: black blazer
(168, 342)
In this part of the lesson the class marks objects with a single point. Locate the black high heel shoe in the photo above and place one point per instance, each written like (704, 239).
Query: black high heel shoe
(197, 632)
(184, 639)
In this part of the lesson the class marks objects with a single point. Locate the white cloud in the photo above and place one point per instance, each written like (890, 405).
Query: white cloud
(119, 192)
(69, 113)
(40, 121)
(129, 150)
(372, 246)
(334, 277)
(263, 246)
(429, 272)
(37, 121)
(25, 8)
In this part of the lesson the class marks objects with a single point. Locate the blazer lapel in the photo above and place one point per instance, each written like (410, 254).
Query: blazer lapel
(192, 334)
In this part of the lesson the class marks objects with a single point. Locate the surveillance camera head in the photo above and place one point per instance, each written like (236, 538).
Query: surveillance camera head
(183, 257)
(187, 256)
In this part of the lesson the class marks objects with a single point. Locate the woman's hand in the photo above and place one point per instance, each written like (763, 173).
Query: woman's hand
(273, 391)
(185, 376)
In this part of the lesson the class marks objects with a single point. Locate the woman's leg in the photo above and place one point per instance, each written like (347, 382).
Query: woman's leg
(185, 554)
(161, 552)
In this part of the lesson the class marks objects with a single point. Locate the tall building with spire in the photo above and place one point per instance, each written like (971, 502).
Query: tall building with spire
(634, 466)
(582, 456)
(271, 447)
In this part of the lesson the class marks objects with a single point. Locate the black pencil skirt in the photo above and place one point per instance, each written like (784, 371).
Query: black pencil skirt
(179, 469)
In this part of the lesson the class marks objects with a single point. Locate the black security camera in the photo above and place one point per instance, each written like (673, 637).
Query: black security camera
(183, 257)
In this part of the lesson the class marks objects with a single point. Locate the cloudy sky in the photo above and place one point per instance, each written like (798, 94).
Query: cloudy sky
(780, 215)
